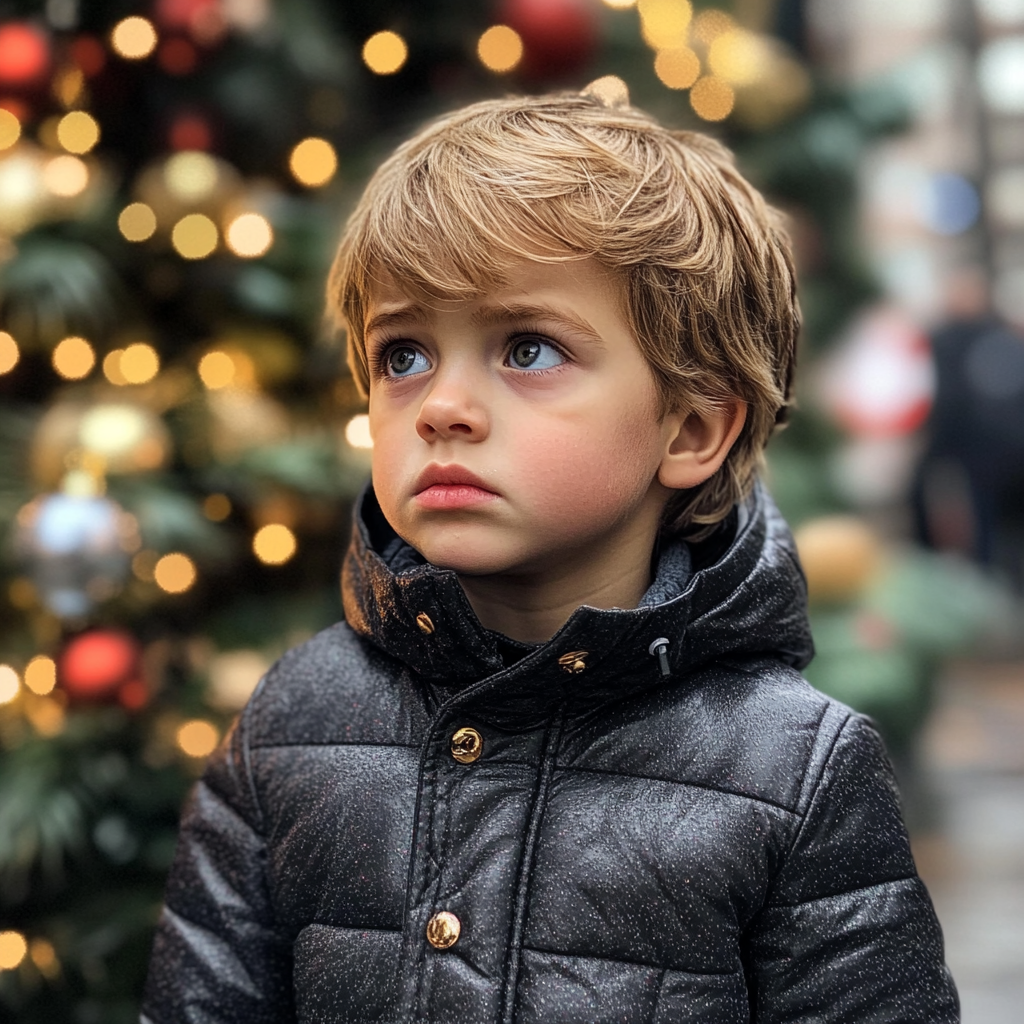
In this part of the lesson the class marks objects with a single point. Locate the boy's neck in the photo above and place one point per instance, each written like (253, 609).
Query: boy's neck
(532, 607)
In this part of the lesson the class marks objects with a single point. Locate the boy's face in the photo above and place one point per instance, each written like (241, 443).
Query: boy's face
(518, 432)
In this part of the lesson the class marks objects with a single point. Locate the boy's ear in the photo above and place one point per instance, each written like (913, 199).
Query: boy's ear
(697, 444)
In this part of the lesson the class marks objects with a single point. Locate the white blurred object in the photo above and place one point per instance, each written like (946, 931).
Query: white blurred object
(233, 676)
(1002, 12)
(881, 381)
(876, 470)
(1001, 74)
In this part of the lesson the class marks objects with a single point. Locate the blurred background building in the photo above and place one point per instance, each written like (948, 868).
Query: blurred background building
(180, 440)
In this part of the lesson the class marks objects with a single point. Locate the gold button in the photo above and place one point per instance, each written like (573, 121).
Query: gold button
(574, 661)
(443, 930)
(424, 622)
(467, 745)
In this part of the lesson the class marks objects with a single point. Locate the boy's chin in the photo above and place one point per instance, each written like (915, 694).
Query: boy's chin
(468, 559)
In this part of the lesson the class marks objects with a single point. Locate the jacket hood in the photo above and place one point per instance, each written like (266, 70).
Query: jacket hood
(750, 600)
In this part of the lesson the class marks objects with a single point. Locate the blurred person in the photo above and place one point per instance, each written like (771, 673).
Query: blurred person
(558, 763)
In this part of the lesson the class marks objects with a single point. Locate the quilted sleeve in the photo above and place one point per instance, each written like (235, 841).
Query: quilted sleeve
(218, 957)
(848, 934)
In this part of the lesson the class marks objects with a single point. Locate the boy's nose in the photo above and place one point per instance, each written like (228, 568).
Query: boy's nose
(451, 411)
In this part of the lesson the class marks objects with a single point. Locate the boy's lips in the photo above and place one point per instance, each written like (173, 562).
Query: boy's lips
(451, 487)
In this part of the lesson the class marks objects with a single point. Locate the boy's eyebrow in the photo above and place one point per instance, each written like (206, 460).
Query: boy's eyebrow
(409, 314)
(527, 311)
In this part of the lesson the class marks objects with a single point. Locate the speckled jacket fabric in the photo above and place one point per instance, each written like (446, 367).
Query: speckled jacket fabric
(715, 846)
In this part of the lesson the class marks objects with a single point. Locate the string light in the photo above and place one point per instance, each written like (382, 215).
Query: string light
(13, 949)
(313, 162)
(357, 431)
(712, 98)
(65, 176)
(10, 129)
(137, 222)
(677, 69)
(197, 738)
(216, 507)
(249, 235)
(9, 684)
(41, 675)
(385, 52)
(78, 132)
(195, 236)
(9, 354)
(133, 38)
(175, 573)
(139, 363)
(663, 23)
(216, 370)
(274, 544)
(73, 358)
(500, 48)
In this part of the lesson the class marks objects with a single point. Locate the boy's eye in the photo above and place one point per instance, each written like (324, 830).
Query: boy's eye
(534, 354)
(405, 362)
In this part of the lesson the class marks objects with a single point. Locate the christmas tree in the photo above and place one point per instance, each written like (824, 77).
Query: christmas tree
(179, 438)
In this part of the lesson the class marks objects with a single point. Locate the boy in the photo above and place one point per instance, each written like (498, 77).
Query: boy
(558, 764)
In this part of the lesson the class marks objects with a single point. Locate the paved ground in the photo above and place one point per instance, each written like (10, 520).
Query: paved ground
(969, 840)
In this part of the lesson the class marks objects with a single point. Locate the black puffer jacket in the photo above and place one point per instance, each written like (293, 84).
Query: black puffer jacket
(720, 845)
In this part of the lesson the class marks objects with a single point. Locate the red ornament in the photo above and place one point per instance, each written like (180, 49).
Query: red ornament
(24, 53)
(559, 36)
(98, 664)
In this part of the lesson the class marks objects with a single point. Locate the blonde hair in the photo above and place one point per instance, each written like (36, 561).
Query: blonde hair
(707, 275)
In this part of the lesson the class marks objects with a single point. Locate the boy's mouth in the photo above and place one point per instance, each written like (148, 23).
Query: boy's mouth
(450, 487)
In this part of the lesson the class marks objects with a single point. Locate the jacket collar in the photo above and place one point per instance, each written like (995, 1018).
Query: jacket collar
(751, 600)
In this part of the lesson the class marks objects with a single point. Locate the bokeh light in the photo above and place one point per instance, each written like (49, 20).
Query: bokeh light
(500, 48)
(144, 564)
(249, 235)
(175, 573)
(9, 684)
(13, 949)
(44, 956)
(710, 24)
(133, 38)
(678, 68)
(195, 236)
(10, 129)
(137, 222)
(9, 354)
(313, 162)
(619, 5)
(197, 738)
(739, 57)
(664, 23)
(216, 507)
(274, 544)
(385, 52)
(78, 132)
(357, 431)
(217, 370)
(112, 367)
(41, 674)
(191, 175)
(74, 358)
(139, 363)
(712, 98)
(66, 176)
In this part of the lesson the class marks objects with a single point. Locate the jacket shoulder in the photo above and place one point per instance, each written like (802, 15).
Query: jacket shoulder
(754, 728)
(334, 689)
